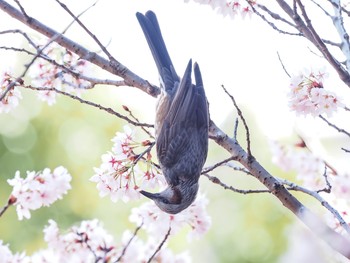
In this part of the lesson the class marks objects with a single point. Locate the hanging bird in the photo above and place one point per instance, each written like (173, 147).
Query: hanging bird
(181, 125)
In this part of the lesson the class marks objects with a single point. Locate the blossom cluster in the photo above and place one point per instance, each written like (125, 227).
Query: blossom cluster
(13, 95)
(157, 223)
(308, 167)
(307, 94)
(87, 242)
(90, 242)
(120, 175)
(230, 8)
(38, 189)
(313, 175)
(64, 74)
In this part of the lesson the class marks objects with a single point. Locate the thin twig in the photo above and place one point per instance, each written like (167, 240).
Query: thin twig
(139, 156)
(103, 48)
(240, 114)
(129, 242)
(274, 16)
(345, 150)
(293, 186)
(213, 167)
(284, 68)
(160, 245)
(25, 35)
(237, 168)
(334, 126)
(217, 181)
(109, 110)
(84, 240)
(328, 187)
(3, 210)
(235, 129)
(136, 119)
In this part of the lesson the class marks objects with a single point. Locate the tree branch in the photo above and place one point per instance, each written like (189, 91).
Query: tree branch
(310, 33)
(335, 240)
(114, 67)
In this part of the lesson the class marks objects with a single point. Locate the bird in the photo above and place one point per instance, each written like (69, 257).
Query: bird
(181, 124)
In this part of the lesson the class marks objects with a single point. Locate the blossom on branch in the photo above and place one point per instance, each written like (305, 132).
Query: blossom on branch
(156, 222)
(307, 95)
(230, 8)
(38, 189)
(12, 96)
(61, 70)
(120, 175)
(88, 242)
(317, 177)
(308, 167)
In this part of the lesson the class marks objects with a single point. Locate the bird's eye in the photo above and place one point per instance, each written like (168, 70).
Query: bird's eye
(165, 201)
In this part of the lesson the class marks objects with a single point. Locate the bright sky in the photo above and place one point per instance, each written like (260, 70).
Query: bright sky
(239, 53)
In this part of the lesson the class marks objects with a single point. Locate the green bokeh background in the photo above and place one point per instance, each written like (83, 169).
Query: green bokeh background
(245, 228)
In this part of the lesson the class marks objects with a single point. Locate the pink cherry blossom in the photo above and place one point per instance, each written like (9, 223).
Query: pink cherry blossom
(88, 242)
(48, 75)
(119, 175)
(309, 168)
(228, 8)
(38, 189)
(6, 255)
(157, 222)
(12, 97)
(307, 95)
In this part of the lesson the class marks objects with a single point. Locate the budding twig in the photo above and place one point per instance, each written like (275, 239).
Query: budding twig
(3, 210)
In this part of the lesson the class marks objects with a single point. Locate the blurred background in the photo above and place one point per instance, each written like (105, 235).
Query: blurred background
(239, 53)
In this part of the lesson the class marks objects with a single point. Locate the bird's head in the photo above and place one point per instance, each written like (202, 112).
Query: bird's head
(174, 199)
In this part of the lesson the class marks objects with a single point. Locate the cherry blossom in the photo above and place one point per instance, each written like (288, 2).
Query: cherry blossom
(38, 189)
(157, 223)
(119, 175)
(88, 242)
(227, 7)
(51, 75)
(310, 172)
(307, 94)
(12, 97)
(6, 255)
(308, 167)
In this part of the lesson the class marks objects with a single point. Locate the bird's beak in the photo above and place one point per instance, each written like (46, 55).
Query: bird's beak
(149, 195)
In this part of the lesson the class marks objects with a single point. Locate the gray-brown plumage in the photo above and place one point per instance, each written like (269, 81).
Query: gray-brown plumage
(181, 124)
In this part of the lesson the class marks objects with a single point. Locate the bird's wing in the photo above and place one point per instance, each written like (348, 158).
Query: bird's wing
(186, 124)
(151, 30)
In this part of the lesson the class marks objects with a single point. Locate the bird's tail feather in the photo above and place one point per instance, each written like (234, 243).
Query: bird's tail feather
(151, 30)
